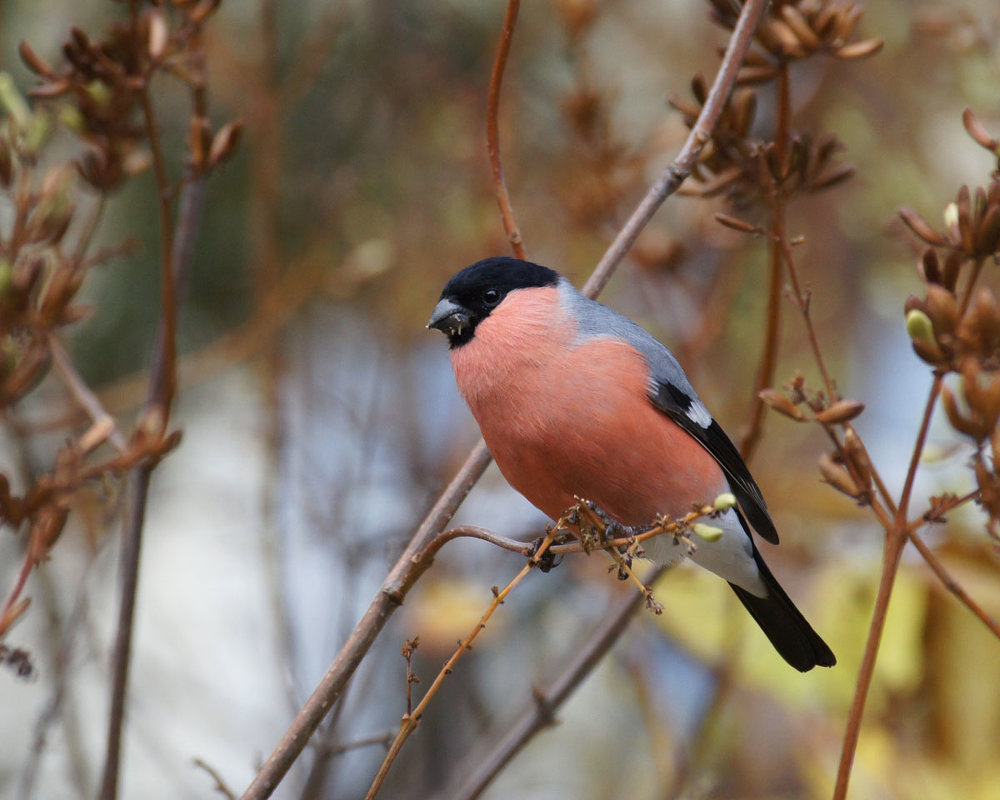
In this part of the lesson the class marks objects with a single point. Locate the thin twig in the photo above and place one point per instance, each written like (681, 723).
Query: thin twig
(131, 548)
(493, 130)
(83, 394)
(768, 364)
(220, 785)
(406, 571)
(548, 700)
(411, 720)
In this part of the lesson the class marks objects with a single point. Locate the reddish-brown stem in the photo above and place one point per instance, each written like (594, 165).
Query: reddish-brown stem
(953, 585)
(772, 328)
(493, 130)
(895, 539)
(802, 303)
(160, 400)
(893, 549)
(164, 381)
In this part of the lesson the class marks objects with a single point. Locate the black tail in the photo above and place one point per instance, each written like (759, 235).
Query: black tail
(784, 624)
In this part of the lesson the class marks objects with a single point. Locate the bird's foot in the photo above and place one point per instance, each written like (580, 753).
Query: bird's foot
(547, 561)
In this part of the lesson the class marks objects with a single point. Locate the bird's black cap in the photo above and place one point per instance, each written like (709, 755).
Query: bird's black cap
(469, 297)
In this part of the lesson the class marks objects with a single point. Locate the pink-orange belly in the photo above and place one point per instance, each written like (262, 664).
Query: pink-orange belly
(583, 425)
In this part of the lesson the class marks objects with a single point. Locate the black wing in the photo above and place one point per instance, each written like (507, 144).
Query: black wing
(676, 404)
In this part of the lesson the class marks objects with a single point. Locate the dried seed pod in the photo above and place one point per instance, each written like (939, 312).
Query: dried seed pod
(942, 308)
(979, 133)
(958, 420)
(225, 142)
(736, 224)
(952, 268)
(920, 228)
(837, 476)
(979, 332)
(753, 76)
(862, 49)
(6, 164)
(795, 20)
(930, 353)
(930, 266)
(858, 456)
(832, 177)
(987, 234)
(33, 61)
(964, 204)
(840, 412)
(780, 403)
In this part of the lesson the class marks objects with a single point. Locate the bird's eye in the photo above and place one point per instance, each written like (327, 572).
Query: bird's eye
(491, 297)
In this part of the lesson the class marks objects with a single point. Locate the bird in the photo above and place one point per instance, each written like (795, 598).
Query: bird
(575, 400)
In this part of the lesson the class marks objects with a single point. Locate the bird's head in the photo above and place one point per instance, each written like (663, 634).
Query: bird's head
(471, 295)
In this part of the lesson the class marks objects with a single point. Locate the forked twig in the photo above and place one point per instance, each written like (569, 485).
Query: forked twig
(411, 720)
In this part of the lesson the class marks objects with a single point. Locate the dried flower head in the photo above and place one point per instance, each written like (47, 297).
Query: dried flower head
(793, 30)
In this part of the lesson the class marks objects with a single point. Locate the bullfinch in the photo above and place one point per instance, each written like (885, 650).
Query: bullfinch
(575, 400)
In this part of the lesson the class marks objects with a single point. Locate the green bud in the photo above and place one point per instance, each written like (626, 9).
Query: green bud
(724, 502)
(99, 92)
(920, 327)
(707, 532)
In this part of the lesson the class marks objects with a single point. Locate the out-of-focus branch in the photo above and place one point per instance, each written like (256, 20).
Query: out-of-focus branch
(176, 253)
(407, 570)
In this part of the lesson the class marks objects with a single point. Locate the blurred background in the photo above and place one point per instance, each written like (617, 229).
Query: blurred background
(320, 418)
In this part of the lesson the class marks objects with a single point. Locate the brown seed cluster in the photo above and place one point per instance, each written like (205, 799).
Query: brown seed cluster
(955, 326)
(793, 30)
(102, 81)
(99, 91)
(747, 169)
(848, 468)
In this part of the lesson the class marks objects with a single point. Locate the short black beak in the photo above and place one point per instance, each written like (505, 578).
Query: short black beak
(450, 318)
